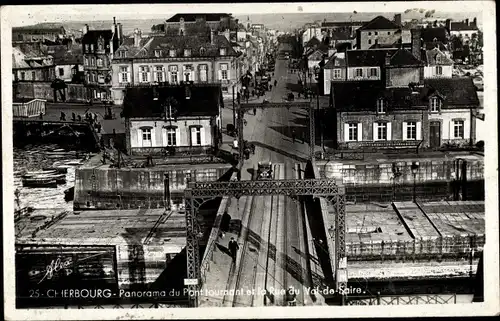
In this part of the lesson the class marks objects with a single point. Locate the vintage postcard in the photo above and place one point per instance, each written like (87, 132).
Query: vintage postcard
(250, 160)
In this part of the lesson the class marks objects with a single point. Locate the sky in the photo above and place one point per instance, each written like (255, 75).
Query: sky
(29, 15)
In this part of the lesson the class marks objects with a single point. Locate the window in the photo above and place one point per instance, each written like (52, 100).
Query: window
(435, 105)
(146, 137)
(187, 72)
(458, 129)
(388, 32)
(369, 33)
(158, 53)
(143, 73)
(92, 61)
(411, 130)
(373, 72)
(123, 75)
(223, 72)
(61, 72)
(353, 132)
(122, 54)
(86, 61)
(376, 33)
(336, 73)
(99, 46)
(187, 52)
(100, 78)
(174, 78)
(381, 131)
(91, 47)
(196, 136)
(99, 62)
(439, 70)
(359, 72)
(369, 41)
(171, 53)
(203, 72)
(222, 51)
(22, 75)
(202, 51)
(380, 106)
(86, 48)
(171, 137)
(159, 74)
(33, 75)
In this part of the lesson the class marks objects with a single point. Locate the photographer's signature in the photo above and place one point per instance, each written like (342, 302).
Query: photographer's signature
(56, 266)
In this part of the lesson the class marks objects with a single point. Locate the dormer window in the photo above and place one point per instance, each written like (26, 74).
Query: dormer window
(202, 51)
(158, 53)
(222, 51)
(122, 54)
(380, 106)
(171, 53)
(435, 105)
(435, 39)
(187, 52)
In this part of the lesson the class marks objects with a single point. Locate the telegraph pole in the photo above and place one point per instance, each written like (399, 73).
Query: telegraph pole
(234, 110)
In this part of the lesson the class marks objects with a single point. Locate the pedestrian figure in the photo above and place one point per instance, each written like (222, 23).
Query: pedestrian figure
(233, 248)
(73, 116)
(302, 137)
(275, 82)
(41, 115)
(270, 87)
(293, 135)
(63, 116)
(238, 98)
(299, 94)
(254, 111)
(98, 126)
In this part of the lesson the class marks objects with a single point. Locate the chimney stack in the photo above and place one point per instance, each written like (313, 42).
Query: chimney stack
(119, 31)
(397, 19)
(416, 43)
(85, 29)
(467, 21)
(474, 22)
(137, 37)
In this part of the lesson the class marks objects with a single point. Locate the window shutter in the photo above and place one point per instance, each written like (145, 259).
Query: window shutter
(193, 136)
(139, 138)
(169, 75)
(155, 76)
(202, 135)
(375, 131)
(163, 74)
(228, 74)
(346, 132)
(452, 129)
(164, 136)
(360, 132)
(419, 130)
(153, 137)
(192, 75)
(220, 74)
(120, 77)
(177, 137)
(149, 75)
(405, 131)
(389, 131)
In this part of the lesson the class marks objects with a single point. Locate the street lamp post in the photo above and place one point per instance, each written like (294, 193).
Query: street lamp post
(395, 174)
(414, 171)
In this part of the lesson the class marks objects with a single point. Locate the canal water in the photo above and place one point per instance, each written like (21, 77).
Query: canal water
(33, 157)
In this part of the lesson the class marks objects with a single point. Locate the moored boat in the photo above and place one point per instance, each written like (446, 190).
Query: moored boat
(59, 170)
(42, 172)
(39, 182)
(59, 178)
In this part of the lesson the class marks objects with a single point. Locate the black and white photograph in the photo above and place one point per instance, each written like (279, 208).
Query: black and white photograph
(286, 159)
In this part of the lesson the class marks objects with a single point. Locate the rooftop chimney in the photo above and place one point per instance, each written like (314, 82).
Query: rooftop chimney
(474, 22)
(397, 19)
(137, 37)
(119, 31)
(416, 43)
(467, 21)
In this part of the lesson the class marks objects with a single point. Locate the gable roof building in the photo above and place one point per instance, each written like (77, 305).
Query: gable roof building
(379, 23)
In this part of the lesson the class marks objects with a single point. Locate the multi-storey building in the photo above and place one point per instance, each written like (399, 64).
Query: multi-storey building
(32, 64)
(348, 27)
(98, 49)
(174, 59)
(380, 31)
(68, 61)
(310, 33)
(463, 29)
(38, 33)
(173, 120)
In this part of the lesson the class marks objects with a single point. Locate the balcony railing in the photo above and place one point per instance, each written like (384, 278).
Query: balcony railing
(382, 144)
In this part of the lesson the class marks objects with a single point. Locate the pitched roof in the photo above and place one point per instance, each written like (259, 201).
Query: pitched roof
(191, 17)
(363, 96)
(403, 57)
(18, 59)
(334, 61)
(342, 23)
(371, 57)
(379, 22)
(461, 26)
(63, 56)
(459, 92)
(339, 35)
(429, 34)
(436, 57)
(139, 100)
(41, 28)
(92, 35)
(313, 42)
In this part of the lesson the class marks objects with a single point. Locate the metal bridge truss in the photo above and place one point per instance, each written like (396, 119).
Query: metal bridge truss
(198, 193)
(297, 104)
